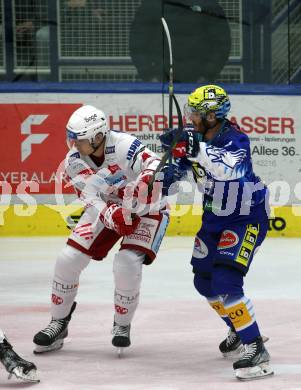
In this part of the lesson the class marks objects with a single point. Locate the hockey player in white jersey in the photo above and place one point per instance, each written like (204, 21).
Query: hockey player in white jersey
(16, 366)
(110, 171)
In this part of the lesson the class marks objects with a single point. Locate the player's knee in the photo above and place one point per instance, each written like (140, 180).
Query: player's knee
(227, 280)
(202, 283)
(127, 269)
(70, 261)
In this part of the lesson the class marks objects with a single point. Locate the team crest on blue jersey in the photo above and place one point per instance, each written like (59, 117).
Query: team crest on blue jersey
(229, 158)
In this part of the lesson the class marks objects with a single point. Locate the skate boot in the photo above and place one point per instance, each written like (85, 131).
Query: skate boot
(15, 365)
(52, 337)
(254, 361)
(232, 346)
(121, 337)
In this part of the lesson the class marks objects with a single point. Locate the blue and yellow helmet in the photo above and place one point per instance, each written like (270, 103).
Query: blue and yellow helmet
(210, 98)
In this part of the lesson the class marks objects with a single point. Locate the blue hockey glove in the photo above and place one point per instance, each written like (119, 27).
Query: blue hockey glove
(170, 174)
(183, 164)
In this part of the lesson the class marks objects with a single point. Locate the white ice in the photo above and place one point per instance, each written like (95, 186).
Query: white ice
(175, 334)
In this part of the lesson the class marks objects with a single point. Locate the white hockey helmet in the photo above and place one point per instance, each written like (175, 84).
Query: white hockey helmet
(85, 123)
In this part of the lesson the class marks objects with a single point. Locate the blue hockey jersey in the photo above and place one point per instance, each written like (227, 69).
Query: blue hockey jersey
(224, 173)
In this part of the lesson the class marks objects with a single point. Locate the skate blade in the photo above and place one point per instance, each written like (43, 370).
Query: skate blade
(261, 371)
(49, 348)
(120, 352)
(30, 377)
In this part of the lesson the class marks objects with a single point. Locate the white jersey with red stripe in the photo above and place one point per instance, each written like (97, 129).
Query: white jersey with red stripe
(126, 160)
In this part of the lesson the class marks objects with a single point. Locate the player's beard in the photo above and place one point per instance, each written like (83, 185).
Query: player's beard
(208, 125)
(202, 125)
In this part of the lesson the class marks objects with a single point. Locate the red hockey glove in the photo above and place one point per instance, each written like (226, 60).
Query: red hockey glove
(145, 193)
(119, 219)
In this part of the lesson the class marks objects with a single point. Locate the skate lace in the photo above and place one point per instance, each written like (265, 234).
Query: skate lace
(120, 330)
(230, 338)
(54, 328)
(249, 351)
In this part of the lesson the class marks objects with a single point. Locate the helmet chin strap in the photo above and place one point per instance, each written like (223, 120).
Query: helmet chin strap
(96, 147)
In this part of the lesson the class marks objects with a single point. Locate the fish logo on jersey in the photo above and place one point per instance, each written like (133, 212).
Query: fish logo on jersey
(229, 158)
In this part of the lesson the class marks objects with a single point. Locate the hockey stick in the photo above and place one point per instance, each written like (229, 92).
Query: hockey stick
(167, 155)
(170, 84)
(171, 94)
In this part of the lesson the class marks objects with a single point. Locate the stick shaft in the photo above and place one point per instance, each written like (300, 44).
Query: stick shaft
(170, 86)
(168, 154)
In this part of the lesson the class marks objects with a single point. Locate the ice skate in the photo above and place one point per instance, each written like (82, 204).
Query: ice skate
(52, 337)
(231, 347)
(121, 337)
(16, 366)
(254, 362)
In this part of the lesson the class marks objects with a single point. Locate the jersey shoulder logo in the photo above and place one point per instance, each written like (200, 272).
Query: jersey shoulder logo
(133, 148)
(229, 158)
(110, 149)
(73, 156)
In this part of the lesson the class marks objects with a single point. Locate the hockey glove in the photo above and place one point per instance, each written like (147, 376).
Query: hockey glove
(144, 191)
(187, 145)
(171, 176)
(119, 219)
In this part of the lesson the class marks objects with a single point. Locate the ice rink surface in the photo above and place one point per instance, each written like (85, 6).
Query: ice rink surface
(175, 334)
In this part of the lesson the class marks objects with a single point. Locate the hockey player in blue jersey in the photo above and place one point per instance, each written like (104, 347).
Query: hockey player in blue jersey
(234, 222)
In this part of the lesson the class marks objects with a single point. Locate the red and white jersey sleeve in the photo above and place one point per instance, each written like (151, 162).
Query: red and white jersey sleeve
(77, 170)
(136, 158)
(126, 159)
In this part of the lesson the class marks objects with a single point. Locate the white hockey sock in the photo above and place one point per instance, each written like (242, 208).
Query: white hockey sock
(69, 265)
(127, 274)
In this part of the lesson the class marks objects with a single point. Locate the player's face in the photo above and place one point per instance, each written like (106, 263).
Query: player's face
(193, 116)
(210, 120)
(196, 120)
(83, 146)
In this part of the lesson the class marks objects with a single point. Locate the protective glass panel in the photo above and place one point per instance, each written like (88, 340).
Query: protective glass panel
(31, 35)
(216, 41)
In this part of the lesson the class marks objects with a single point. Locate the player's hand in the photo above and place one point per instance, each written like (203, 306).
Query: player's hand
(171, 176)
(147, 190)
(119, 219)
(187, 145)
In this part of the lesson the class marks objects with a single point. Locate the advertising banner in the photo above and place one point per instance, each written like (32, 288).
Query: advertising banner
(33, 135)
(33, 144)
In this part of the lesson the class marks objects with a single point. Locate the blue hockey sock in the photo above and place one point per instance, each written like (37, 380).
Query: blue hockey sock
(217, 304)
(240, 312)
